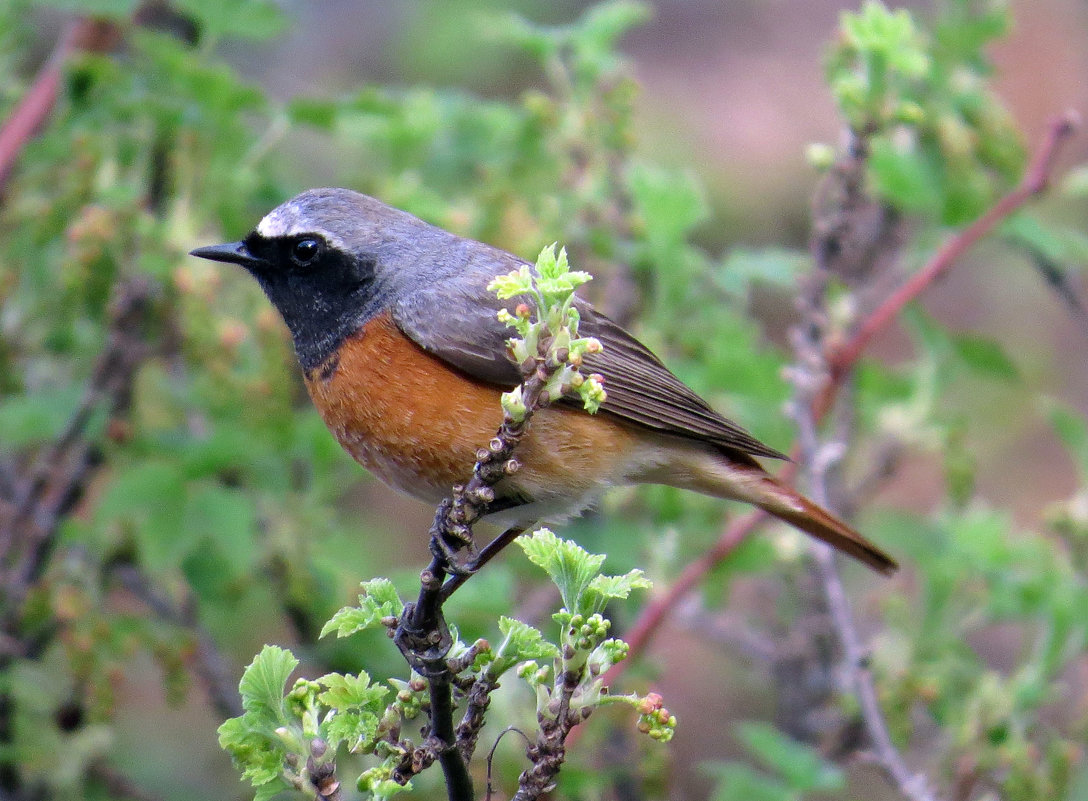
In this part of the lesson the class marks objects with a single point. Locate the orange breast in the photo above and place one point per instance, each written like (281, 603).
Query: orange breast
(416, 423)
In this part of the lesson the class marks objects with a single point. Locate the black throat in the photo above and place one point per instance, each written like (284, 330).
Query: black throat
(324, 303)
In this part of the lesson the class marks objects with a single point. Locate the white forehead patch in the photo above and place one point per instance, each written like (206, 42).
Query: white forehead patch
(287, 221)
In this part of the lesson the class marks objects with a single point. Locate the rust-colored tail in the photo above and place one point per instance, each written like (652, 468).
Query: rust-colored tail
(821, 524)
(737, 476)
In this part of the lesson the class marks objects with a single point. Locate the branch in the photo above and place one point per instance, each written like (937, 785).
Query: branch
(549, 751)
(211, 665)
(28, 527)
(422, 634)
(1035, 181)
(809, 375)
(29, 115)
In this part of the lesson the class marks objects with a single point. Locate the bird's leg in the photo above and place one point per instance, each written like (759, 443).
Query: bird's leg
(452, 556)
(451, 536)
(485, 555)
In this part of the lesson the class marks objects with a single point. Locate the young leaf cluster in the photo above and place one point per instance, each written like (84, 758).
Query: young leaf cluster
(584, 651)
(939, 138)
(286, 736)
(549, 321)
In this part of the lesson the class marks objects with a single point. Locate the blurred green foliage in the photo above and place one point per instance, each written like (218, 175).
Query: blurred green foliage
(227, 495)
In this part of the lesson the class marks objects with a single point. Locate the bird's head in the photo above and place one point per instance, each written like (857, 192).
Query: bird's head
(329, 260)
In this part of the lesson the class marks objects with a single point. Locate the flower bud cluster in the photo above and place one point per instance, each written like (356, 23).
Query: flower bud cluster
(534, 674)
(587, 633)
(300, 700)
(410, 696)
(654, 719)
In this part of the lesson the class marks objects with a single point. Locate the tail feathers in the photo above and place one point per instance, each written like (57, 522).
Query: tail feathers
(820, 523)
(784, 503)
(737, 476)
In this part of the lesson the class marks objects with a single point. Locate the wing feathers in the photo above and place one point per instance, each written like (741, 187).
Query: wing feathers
(467, 335)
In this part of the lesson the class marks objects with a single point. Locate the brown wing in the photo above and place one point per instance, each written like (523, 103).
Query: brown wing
(453, 317)
(641, 389)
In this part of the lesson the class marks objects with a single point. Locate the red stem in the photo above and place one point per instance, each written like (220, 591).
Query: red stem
(1035, 180)
(28, 116)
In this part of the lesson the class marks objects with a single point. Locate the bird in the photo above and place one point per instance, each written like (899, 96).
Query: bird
(405, 359)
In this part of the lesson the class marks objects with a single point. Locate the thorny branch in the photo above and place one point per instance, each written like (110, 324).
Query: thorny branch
(1035, 181)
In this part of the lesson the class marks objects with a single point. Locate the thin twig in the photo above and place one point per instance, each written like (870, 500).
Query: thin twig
(491, 755)
(809, 373)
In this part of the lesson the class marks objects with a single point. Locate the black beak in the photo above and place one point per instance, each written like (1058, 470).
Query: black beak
(232, 252)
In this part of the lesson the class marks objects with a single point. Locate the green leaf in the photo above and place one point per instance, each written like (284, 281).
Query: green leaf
(744, 267)
(604, 23)
(313, 111)
(890, 34)
(378, 600)
(522, 643)
(226, 518)
(37, 416)
(737, 782)
(252, 19)
(358, 705)
(670, 203)
(1058, 245)
(905, 177)
(802, 766)
(263, 682)
(606, 588)
(514, 283)
(1072, 430)
(569, 566)
(149, 500)
(251, 739)
(256, 750)
(985, 357)
(344, 690)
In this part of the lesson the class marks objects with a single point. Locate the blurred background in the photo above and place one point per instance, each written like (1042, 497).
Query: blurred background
(417, 103)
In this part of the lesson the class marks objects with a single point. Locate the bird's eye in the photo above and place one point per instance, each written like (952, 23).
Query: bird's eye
(305, 251)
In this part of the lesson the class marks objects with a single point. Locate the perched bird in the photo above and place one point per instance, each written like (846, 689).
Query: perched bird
(405, 359)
